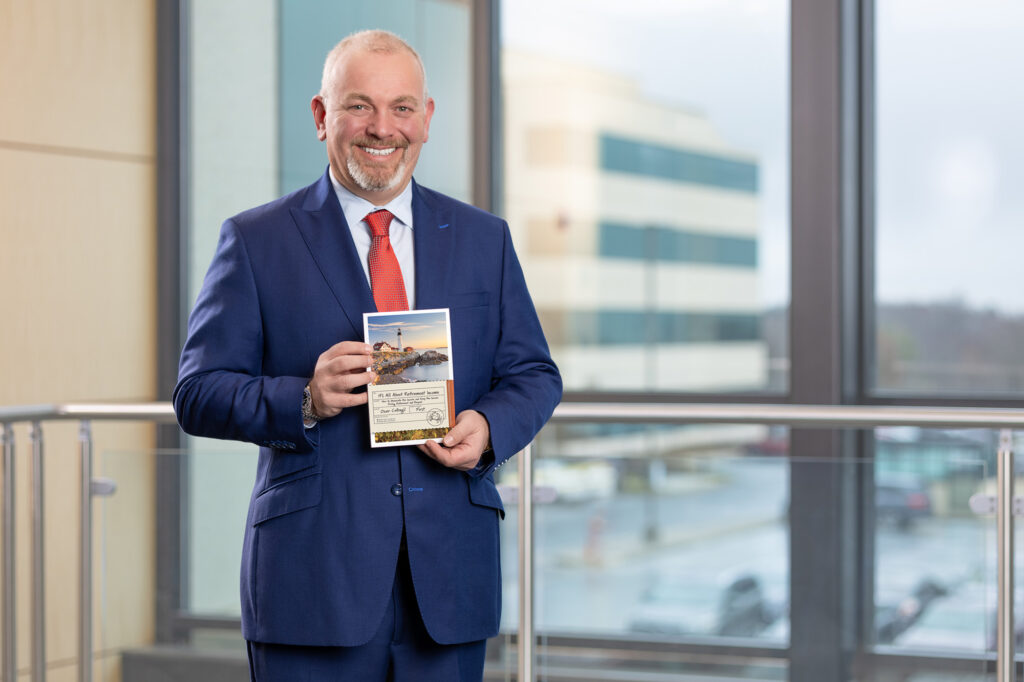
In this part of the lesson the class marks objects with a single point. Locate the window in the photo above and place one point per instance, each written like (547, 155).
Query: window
(648, 195)
(949, 316)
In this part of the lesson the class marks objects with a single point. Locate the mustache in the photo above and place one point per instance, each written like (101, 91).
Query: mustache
(377, 142)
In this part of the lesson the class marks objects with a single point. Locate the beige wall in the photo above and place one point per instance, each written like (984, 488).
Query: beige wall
(77, 293)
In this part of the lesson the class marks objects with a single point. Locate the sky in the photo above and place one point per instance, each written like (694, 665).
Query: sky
(420, 329)
(950, 217)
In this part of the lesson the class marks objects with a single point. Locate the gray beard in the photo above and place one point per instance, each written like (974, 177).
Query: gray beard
(370, 184)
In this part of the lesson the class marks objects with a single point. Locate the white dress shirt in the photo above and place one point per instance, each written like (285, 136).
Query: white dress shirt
(356, 209)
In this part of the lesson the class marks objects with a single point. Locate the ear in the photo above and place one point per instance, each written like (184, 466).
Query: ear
(428, 114)
(319, 114)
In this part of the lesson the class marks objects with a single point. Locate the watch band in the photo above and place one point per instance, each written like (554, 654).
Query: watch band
(309, 418)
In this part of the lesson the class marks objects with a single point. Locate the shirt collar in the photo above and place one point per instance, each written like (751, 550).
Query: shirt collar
(356, 208)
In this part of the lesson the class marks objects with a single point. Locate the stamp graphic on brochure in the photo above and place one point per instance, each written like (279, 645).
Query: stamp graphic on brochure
(413, 399)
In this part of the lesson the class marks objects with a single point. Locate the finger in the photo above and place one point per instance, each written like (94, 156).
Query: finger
(462, 457)
(346, 363)
(347, 348)
(334, 402)
(436, 452)
(346, 383)
(332, 392)
(353, 399)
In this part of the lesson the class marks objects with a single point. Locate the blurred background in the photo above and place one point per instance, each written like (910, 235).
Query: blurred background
(725, 201)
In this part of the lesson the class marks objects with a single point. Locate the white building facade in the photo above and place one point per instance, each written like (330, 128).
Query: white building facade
(637, 227)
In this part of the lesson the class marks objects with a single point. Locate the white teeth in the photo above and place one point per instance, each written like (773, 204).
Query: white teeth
(378, 152)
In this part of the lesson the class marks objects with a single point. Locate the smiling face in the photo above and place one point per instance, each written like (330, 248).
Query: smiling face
(374, 116)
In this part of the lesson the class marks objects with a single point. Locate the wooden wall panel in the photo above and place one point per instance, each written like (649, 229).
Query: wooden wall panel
(78, 295)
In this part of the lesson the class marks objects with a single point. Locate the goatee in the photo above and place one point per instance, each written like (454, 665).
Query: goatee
(372, 182)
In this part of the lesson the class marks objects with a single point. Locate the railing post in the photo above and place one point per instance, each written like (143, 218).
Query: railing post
(527, 654)
(85, 555)
(38, 558)
(1004, 530)
(10, 669)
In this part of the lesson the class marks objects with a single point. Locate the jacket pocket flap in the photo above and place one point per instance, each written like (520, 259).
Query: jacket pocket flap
(283, 463)
(285, 498)
(483, 492)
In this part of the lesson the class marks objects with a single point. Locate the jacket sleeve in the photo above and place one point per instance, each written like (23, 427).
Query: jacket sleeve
(221, 390)
(525, 383)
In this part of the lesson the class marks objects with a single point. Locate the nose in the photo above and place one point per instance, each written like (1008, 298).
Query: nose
(381, 124)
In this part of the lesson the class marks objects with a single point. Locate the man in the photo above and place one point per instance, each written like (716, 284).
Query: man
(358, 563)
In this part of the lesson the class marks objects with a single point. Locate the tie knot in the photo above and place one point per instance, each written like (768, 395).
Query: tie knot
(379, 222)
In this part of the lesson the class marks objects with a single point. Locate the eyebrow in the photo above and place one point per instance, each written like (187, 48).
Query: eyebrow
(403, 99)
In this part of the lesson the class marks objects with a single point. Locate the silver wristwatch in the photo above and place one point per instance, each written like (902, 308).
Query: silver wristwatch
(309, 418)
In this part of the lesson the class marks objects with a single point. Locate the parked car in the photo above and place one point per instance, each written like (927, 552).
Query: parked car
(899, 605)
(964, 620)
(735, 608)
(898, 611)
(901, 501)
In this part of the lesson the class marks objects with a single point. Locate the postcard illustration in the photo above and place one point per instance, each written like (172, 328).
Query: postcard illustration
(413, 398)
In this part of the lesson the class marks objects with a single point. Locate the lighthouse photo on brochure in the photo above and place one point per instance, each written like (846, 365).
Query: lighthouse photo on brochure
(412, 399)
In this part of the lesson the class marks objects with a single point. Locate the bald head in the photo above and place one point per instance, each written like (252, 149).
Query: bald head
(374, 114)
(372, 41)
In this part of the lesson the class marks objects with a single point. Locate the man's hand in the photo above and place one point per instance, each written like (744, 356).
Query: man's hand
(339, 370)
(463, 445)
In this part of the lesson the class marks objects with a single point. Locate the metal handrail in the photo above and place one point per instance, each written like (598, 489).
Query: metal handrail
(35, 415)
(162, 413)
(806, 416)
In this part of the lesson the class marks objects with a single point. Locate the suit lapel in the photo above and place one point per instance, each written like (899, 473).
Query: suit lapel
(326, 233)
(433, 236)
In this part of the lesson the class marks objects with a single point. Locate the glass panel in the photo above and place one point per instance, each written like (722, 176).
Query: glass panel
(655, 544)
(648, 197)
(948, 318)
(503, 650)
(934, 561)
(219, 484)
(658, 550)
(126, 598)
(666, 549)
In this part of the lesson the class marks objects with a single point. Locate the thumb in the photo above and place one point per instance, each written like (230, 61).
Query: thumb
(456, 434)
(464, 426)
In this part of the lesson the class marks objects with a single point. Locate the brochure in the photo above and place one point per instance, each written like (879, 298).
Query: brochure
(413, 398)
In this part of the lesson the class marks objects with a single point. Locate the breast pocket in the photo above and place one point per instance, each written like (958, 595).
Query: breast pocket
(469, 299)
(470, 314)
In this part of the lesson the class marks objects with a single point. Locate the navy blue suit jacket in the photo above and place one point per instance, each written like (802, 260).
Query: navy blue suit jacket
(324, 528)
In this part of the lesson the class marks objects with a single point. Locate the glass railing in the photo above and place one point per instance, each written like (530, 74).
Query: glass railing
(667, 556)
(656, 544)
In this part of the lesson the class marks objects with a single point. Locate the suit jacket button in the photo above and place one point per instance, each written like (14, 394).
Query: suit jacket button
(396, 490)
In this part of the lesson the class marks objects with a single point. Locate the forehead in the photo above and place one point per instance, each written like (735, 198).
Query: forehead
(379, 75)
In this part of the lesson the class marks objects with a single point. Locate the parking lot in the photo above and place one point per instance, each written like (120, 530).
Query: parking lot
(708, 555)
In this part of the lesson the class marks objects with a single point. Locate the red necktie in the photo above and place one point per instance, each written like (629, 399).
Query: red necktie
(385, 274)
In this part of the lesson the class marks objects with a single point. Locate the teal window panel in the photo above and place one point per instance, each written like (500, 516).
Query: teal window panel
(623, 155)
(660, 243)
(631, 327)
